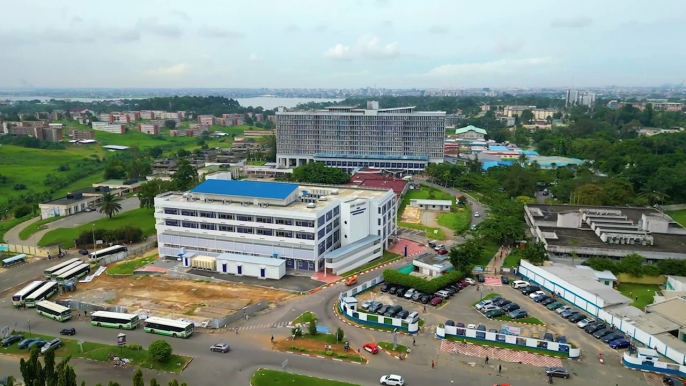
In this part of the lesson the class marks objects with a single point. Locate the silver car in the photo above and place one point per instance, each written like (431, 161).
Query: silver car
(585, 322)
(220, 347)
(52, 345)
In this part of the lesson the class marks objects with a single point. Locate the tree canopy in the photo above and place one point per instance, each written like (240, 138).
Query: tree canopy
(318, 173)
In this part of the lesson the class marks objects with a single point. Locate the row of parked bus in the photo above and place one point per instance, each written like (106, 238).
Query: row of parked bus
(119, 320)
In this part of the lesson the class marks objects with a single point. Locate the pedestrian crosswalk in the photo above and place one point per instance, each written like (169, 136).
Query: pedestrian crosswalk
(493, 282)
(263, 326)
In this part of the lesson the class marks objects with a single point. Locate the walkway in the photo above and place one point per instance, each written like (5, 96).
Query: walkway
(500, 354)
(495, 266)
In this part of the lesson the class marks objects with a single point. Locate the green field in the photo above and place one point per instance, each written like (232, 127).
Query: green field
(679, 216)
(458, 221)
(264, 377)
(141, 140)
(142, 218)
(423, 194)
(305, 317)
(30, 166)
(100, 352)
(645, 293)
(39, 225)
(490, 249)
(127, 267)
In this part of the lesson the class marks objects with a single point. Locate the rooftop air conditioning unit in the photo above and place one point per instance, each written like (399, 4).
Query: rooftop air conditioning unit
(311, 205)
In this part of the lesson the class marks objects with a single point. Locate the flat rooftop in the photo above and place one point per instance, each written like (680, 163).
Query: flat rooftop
(586, 279)
(345, 193)
(550, 212)
(68, 201)
(585, 238)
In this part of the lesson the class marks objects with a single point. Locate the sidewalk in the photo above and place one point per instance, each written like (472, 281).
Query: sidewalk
(496, 264)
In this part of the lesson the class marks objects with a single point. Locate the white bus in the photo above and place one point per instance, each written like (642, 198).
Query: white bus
(48, 272)
(43, 293)
(53, 311)
(19, 298)
(65, 269)
(162, 326)
(114, 320)
(97, 255)
(77, 272)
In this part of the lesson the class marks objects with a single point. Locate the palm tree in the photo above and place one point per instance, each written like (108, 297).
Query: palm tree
(109, 205)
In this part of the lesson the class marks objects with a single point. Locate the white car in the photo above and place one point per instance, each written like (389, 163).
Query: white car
(519, 284)
(487, 308)
(585, 322)
(409, 293)
(365, 304)
(392, 380)
(476, 214)
(534, 294)
(483, 304)
(563, 309)
(471, 326)
(470, 281)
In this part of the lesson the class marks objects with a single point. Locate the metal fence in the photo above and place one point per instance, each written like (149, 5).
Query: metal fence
(17, 249)
(238, 315)
(80, 306)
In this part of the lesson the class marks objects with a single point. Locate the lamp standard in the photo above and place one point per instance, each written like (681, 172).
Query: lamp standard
(93, 231)
(29, 321)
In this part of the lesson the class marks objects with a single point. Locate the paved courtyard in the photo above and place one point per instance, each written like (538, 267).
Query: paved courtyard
(500, 354)
(413, 248)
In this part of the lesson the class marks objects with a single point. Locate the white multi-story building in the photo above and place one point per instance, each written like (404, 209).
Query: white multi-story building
(349, 138)
(109, 127)
(576, 97)
(313, 228)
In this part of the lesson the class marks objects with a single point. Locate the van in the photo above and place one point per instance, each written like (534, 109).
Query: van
(519, 284)
(413, 317)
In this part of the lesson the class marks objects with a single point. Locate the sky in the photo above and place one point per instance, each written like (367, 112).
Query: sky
(341, 43)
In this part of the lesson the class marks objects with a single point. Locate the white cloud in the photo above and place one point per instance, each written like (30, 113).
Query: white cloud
(254, 58)
(439, 29)
(494, 67)
(177, 69)
(574, 22)
(154, 26)
(338, 52)
(218, 32)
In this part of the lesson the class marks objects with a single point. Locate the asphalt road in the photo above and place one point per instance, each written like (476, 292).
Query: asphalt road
(17, 275)
(12, 236)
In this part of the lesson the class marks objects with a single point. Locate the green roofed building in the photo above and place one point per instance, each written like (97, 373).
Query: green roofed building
(470, 132)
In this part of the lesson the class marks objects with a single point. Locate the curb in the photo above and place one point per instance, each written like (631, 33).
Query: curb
(346, 321)
(323, 357)
(393, 356)
(359, 273)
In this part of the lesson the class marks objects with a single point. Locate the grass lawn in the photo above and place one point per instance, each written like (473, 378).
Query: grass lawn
(39, 225)
(264, 377)
(679, 216)
(256, 163)
(512, 260)
(142, 217)
(532, 350)
(431, 233)
(127, 267)
(100, 352)
(530, 320)
(305, 317)
(487, 254)
(31, 166)
(141, 140)
(458, 221)
(387, 257)
(326, 338)
(423, 193)
(389, 347)
(9, 224)
(645, 293)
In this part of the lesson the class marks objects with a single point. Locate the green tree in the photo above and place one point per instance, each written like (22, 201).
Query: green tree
(535, 253)
(156, 151)
(527, 116)
(618, 192)
(312, 327)
(631, 264)
(110, 204)
(31, 370)
(153, 382)
(339, 334)
(270, 141)
(138, 378)
(181, 153)
(170, 124)
(149, 190)
(49, 368)
(185, 177)
(160, 350)
(317, 172)
(22, 210)
(589, 194)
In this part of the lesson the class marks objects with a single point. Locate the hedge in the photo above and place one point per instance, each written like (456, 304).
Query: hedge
(392, 276)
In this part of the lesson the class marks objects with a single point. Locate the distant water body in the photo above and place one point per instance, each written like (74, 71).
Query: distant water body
(267, 103)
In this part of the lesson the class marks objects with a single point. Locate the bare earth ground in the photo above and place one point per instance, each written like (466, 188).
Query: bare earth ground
(411, 215)
(165, 297)
(311, 344)
(429, 219)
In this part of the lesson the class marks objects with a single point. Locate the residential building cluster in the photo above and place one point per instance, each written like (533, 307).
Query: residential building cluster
(656, 105)
(579, 98)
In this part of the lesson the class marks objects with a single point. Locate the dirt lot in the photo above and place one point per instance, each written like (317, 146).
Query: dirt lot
(411, 215)
(314, 346)
(165, 297)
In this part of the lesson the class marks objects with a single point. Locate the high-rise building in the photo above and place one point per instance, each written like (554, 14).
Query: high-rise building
(576, 98)
(348, 137)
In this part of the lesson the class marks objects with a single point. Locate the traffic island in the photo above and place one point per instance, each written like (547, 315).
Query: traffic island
(387, 348)
(373, 323)
(324, 346)
(265, 377)
(103, 353)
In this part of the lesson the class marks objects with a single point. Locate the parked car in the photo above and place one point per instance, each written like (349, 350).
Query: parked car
(371, 347)
(476, 214)
(417, 295)
(563, 309)
(504, 280)
(365, 304)
(383, 309)
(393, 311)
(502, 302)
(391, 291)
(392, 380)
(442, 251)
(517, 284)
(619, 343)
(432, 244)
(530, 289)
(460, 329)
(518, 314)
(561, 339)
(534, 294)
(592, 328)
(402, 314)
(436, 301)
(481, 331)
(480, 278)
(488, 308)
(10, 340)
(83, 252)
(375, 306)
(26, 342)
(400, 292)
(425, 299)
(470, 281)
(68, 331)
(672, 381)
(442, 294)
(585, 322)
(548, 337)
(560, 372)
(576, 318)
(52, 345)
(541, 298)
(610, 337)
(449, 290)
(449, 322)
(510, 307)
(455, 287)
(548, 301)
(220, 347)
(602, 332)
(495, 313)
(385, 287)
(413, 317)
(554, 305)
(37, 342)
(568, 313)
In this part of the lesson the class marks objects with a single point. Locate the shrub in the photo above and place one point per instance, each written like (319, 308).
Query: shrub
(297, 331)
(294, 348)
(339, 334)
(312, 327)
(22, 210)
(329, 353)
(343, 356)
(123, 235)
(392, 276)
(160, 350)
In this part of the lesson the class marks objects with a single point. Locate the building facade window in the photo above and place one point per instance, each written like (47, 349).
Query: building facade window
(241, 217)
(329, 215)
(192, 213)
(304, 236)
(265, 232)
(284, 234)
(264, 220)
(329, 228)
(321, 221)
(208, 214)
(189, 224)
(322, 247)
(171, 211)
(284, 221)
(321, 233)
(247, 230)
(226, 228)
(209, 227)
(302, 223)
(172, 223)
(226, 216)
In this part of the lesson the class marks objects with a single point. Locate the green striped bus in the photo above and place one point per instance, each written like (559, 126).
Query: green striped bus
(53, 311)
(49, 271)
(114, 320)
(65, 269)
(19, 299)
(43, 293)
(175, 328)
(76, 273)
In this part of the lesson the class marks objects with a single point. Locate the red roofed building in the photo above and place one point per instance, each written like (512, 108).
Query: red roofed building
(379, 181)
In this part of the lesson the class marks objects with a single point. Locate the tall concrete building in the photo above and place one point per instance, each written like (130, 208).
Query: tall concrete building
(348, 137)
(576, 97)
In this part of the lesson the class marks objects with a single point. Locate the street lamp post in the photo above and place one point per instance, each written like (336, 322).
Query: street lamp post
(93, 231)
(29, 321)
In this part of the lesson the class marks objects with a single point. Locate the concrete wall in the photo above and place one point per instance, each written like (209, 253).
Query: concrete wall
(627, 278)
(641, 364)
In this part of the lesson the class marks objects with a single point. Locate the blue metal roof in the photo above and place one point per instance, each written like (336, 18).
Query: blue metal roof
(498, 148)
(253, 189)
(530, 152)
(489, 164)
(337, 253)
(373, 156)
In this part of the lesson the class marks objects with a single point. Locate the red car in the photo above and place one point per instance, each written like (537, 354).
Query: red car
(371, 347)
(436, 301)
(442, 251)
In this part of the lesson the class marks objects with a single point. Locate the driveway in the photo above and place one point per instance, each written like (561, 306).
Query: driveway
(12, 236)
